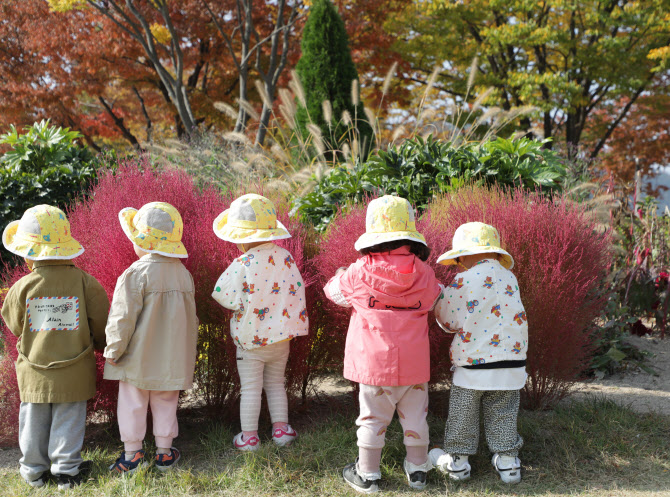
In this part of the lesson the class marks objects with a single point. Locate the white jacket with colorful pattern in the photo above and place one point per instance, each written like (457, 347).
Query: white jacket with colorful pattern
(483, 307)
(265, 290)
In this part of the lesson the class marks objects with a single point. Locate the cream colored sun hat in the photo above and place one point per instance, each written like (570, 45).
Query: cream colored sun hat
(476, 238)
(42, 234)
(388, 219)
(250, 218)
(156, 228)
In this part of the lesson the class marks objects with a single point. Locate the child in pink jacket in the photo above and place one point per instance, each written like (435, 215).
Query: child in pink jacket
(390, 289)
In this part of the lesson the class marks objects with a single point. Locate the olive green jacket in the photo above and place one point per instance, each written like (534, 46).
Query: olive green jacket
(59, 313)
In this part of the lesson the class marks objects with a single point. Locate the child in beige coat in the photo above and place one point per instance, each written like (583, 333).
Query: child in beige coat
(152, 334)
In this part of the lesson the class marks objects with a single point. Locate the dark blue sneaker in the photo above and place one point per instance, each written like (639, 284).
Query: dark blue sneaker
(124, 467)
(167, 461)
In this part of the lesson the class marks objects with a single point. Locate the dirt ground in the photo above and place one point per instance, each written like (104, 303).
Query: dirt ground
(634, 388)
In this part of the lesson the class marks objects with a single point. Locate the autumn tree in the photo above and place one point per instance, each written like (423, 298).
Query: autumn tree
(330, 82)
(568, 59)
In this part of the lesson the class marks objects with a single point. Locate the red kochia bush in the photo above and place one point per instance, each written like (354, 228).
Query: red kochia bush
(560, 261)
(9, 388)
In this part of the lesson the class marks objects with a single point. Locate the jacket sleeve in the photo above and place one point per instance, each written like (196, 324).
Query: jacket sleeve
(339, 287)
(228, 289)
(97, 309)
(127, 304)
(13, 313)
(450, 310)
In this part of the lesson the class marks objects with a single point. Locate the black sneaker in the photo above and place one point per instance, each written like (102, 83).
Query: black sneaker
(68, 481)
(358, 483)
(40, 481)
(167, 461)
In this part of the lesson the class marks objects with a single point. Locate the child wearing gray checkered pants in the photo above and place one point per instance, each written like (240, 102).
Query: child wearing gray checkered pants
(482, 307)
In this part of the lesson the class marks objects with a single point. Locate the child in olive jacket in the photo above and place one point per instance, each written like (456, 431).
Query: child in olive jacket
(59, 313)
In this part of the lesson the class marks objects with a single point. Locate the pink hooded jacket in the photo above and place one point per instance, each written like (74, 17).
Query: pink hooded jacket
(387, 341)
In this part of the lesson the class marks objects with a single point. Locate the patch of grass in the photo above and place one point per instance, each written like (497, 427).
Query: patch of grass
(592, 448)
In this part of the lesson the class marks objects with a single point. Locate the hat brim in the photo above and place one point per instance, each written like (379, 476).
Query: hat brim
(367, 240)
(449, 258)
(150, 245)
(236, 234)
(29, 249)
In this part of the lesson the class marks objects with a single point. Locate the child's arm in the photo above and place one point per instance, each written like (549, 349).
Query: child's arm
(13, 313)
(451, 307)
(97, 309)
(228, 289)
(337, 288)
(127, 304)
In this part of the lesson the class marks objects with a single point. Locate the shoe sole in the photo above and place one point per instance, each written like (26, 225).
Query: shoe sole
(283, 443)
(168, 468)
(461, 475)
(360, 490)
(130, 471)
(516, 479)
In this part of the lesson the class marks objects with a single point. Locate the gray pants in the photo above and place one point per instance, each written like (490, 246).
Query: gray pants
(500, 409)
(51, 437)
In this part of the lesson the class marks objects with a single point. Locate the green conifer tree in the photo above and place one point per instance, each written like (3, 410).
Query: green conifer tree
(327, 72)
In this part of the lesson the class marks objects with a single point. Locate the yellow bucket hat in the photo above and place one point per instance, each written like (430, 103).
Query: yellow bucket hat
(250, 218)
(42, 234)
(475, 238)
(156, 228)
(388, 219)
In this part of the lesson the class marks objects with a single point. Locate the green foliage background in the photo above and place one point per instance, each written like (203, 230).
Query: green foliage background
(44, 166)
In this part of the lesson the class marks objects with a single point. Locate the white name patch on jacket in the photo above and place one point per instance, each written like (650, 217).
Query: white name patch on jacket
(53, 313)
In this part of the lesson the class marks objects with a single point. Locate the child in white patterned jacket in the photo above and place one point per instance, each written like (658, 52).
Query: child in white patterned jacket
(482, 306)
(265, 290)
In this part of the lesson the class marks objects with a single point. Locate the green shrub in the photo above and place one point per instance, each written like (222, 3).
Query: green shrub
(44, 166)
(327, 74)
(418, 169)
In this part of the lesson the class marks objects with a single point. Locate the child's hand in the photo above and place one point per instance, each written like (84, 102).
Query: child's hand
(111, 361)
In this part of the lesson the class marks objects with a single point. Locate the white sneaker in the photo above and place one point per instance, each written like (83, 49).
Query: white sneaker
(283, 438)
(457, 467)
(416, 475)
(252, 444)
(508, 467)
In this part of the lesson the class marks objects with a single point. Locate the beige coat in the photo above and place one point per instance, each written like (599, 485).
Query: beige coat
(152, 330)
(59, 314)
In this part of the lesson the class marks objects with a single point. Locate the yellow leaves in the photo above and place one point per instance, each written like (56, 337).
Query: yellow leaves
(66, 5)
(659, 53)
(160, 33)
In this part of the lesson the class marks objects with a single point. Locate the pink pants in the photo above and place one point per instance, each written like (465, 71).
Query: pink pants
(132, 412)
(377, 407)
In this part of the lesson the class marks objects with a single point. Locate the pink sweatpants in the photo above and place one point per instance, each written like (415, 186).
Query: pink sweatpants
(132, 412)
(377, 406)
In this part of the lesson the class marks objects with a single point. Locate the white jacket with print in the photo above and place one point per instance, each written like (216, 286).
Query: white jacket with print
(483, 307)
(267, 294)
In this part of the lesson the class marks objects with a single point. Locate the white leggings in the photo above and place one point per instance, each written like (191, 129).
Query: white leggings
(260, 368)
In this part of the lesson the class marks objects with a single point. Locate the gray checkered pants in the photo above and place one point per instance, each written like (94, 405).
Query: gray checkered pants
(500, 407)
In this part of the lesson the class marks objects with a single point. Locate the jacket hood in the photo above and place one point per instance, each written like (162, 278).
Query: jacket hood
(398, 279)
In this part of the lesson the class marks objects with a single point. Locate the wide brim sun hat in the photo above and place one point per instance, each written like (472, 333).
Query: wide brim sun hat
(389, 219)
(155, 228)
(250, 218)
(43, 233)
(474, 239)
